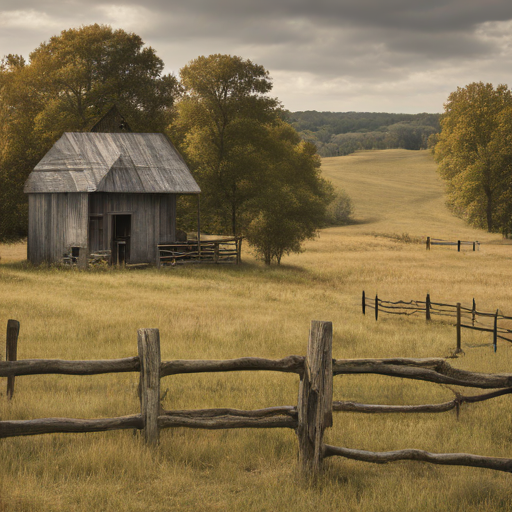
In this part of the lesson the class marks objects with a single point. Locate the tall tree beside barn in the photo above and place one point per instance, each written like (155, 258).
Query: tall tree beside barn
(257, 177)
(221, 123)
(68, 84)
(474, 156)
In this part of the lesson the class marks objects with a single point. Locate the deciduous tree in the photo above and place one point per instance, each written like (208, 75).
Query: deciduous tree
(293, 199)
(471, 153)
(68, 84)
(220, 129)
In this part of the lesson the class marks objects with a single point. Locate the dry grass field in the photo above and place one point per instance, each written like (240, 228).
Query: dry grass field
(249, 310)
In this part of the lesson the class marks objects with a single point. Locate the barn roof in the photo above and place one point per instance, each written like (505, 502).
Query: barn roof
(112, 162)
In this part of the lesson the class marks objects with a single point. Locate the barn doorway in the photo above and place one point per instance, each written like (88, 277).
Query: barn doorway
(121, 232)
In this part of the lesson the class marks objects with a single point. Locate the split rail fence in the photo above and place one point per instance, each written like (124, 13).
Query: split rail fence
(310, 418)
(221, 250)
(437, 241)
(485, 321)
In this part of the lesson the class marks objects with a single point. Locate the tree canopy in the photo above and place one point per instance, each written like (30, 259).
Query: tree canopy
(220, 124)
(258, 178)
(293, 196)
(68, 85)
(475, 156)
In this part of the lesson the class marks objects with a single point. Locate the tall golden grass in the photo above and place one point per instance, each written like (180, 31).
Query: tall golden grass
(252, 310)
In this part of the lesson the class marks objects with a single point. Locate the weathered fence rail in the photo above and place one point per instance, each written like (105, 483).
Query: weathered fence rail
(310, 418)
(220, 250)
(485, 321)
(459, 243)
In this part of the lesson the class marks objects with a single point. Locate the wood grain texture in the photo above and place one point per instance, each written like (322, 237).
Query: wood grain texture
(285, 410)
(226, 422)
(427, 408)
(290, 364)
(149, 355)
(451, 459)
(14, 428)
(431, 370)
(59, 366)
(315, 397)
(112, 162)
(56, 222)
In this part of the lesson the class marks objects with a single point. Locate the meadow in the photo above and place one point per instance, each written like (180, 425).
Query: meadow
(251, 310)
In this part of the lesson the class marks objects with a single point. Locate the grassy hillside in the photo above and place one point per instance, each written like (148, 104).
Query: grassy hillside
(397, 191)
(250, 310)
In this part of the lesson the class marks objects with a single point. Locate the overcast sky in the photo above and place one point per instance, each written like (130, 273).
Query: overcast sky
(331, 55)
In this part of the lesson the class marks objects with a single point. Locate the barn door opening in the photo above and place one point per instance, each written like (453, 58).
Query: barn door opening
(121, 232)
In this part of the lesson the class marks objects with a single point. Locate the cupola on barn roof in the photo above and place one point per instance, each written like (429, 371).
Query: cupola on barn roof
(112, 162)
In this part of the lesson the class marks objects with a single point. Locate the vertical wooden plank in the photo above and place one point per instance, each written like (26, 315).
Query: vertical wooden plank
(11, 351)
(427, 307)
(315, 397)
(363, 303)
(148, 342)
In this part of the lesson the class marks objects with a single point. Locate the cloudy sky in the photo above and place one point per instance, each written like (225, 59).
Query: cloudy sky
(332, 55)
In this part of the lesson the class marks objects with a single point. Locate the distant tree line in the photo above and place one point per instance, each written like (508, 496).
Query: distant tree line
(342, 133)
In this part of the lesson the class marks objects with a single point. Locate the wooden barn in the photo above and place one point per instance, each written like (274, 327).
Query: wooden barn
(114, 192)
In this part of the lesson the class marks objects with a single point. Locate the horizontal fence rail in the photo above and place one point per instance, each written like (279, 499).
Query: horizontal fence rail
(221, 250)
(466, 317)
(459, 243)
(310, 418)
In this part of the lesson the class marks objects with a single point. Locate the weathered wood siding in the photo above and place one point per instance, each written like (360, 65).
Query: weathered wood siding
(56, 223)
(153, 220)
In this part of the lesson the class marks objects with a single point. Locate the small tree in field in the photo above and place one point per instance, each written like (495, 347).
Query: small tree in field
(340, 209)
(294, 197)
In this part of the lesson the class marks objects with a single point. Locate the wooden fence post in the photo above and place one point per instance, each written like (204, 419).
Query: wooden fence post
(364, 303)
(148, 341)
(473, 313)
(459, 349)
(428, 243)
(474, 246)
(315, 398)
(376, 307)
(458, 245)
(427, 307)
(11, 351)
(495, 332)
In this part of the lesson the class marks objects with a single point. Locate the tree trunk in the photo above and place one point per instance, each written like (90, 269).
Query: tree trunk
(488, 210)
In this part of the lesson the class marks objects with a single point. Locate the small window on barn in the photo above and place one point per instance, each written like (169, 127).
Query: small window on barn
(75, 252)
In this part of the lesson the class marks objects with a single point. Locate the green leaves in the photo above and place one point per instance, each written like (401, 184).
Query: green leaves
(258, 178)
(474, 153)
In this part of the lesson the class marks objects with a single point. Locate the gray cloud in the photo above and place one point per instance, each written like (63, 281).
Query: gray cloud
(343, 53)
